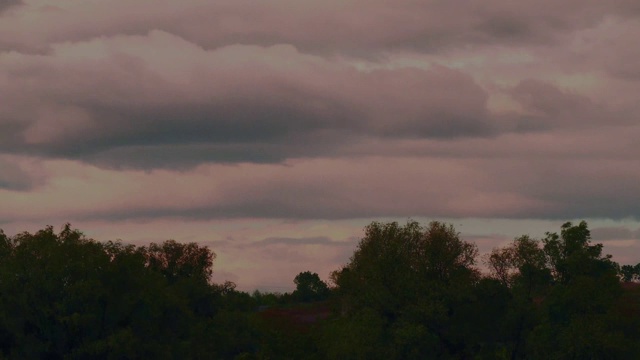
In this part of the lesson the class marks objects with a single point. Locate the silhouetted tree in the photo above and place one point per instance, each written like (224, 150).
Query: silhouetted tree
(577, 320)
(180, 261)
(309, 287)
(630, 273)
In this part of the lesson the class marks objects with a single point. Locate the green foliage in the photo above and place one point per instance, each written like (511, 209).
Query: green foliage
(178, 261)
(66, 295)
(408, 292)
(630, 273)
(309, 287)
(361, 336)
(394, 265)
(521, 263)
(571, 254)
(577, 319)
(413, 279)
(554, 298)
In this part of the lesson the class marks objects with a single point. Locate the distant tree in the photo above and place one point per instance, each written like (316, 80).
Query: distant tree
(630, 273)
(180, 261)
(309, 287)
(571, 254)
(6, 245)
(522, 262)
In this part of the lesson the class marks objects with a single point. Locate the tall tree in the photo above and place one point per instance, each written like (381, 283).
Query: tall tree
(522, 267)
(577, 319)
(413, 278)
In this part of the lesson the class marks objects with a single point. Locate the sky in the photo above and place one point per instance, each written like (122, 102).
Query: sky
(274, 131)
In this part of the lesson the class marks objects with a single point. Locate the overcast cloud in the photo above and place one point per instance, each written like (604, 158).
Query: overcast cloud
(318, 112)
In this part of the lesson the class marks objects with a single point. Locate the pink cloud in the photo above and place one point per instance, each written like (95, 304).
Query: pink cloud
(345, 26)
(116, 100)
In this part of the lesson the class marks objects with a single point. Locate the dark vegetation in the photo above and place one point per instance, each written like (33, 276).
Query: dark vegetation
(408, 292)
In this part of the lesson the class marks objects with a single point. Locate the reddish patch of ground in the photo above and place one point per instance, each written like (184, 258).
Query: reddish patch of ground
(299, 317)
(630, 285)
(629, 303)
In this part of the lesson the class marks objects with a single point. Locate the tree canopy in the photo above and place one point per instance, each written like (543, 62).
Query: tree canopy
(309, 287)
(407, 292)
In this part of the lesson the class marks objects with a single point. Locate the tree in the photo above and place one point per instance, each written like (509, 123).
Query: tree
(563, 295)
(64, 295)
(309, 287)
(577, 319)
(570, 254)
(522, 263)
(394, 261)
(630, 273)
(520, 266)
(181, 261)
(413, 278)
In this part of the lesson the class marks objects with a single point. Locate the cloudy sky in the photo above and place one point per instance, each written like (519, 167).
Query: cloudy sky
(274, 131)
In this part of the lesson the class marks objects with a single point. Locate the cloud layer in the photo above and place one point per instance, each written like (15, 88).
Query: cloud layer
(352, 26)
(481, 127)
(198, 111)
(160, 101)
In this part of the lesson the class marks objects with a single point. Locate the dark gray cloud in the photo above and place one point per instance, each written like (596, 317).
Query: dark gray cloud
(570, 187)
(548, 187)
(183, 135)
(282, 203)
(121, 112)
(12, 177)
(549, 107)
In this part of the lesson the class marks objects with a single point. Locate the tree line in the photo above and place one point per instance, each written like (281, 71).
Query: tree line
(408, 292)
